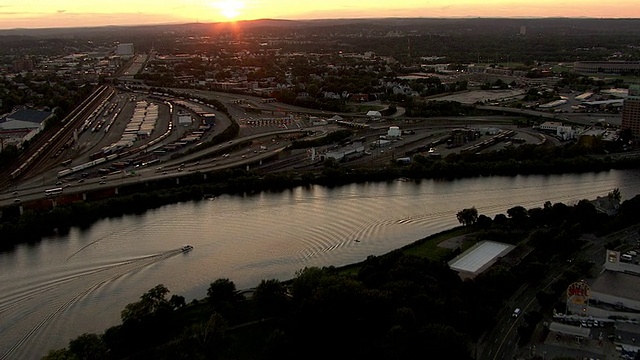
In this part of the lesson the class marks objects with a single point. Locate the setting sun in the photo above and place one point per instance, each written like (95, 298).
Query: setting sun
(228, 8)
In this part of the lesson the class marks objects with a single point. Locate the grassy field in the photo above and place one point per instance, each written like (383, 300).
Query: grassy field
(427, 247)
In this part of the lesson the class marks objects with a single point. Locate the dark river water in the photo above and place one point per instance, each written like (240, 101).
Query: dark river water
(61, 287)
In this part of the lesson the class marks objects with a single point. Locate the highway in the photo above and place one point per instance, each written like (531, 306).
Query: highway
(577, 118)
(44, 179)
(38, 157)
(202, 161)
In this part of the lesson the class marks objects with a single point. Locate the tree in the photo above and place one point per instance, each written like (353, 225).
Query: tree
(224, 299)
(270, 298)
(484, 222)
(312, 89)
(150, 302)
(615, 195)
(177, 301)
(518, 214)
(467, 217)
(60, 354)
(88, 347)
(221, 289)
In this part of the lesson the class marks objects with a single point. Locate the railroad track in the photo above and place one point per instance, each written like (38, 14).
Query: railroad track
(39, 159)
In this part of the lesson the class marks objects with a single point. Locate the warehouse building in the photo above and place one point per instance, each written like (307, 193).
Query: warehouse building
(350, 152)
(479, 258)
(607, 67)
(23, 125)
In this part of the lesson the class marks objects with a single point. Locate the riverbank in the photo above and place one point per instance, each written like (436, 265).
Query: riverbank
(423, 299)
(38, 222)
(246, 238)
(430, 247)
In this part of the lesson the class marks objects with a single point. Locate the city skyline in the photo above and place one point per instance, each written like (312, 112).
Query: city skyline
(68, 13)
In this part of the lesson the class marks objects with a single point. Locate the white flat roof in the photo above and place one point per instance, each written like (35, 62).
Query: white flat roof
(481, 254)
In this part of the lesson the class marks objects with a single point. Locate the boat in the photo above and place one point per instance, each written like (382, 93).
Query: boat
(186, 248)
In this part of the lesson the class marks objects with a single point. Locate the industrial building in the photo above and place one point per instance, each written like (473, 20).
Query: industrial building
(374, 115)
(393, 132)
(209, 118)
(350, 152)
(553, 104)
(603, 104)
(462, 136)
(23, 125)
(607, 67)
(561, 131)
(125, 50)
(479, 258)
(380, 143)
(627, 336)
(184, 119)
(631, 111)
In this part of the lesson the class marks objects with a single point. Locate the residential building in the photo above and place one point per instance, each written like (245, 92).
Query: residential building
(631, 111)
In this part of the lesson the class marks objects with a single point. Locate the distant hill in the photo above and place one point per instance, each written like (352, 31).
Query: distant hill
(560, 26)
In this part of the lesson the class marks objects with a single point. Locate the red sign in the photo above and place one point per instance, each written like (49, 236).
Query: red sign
(578, 292)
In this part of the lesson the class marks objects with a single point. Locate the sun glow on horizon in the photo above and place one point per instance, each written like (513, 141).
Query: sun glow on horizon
(74, 13)
(229, 9)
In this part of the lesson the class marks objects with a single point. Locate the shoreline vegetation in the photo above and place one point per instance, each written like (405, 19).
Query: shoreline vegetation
(390, 306)
(33, 225)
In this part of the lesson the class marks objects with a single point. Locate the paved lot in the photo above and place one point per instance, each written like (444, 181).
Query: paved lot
(475, 96)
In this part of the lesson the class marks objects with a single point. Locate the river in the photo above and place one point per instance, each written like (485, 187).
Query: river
(64, 286)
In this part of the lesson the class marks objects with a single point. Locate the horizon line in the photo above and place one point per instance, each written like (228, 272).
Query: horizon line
(470, 17)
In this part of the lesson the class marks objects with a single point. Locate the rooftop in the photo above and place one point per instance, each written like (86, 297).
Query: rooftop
(480, 256)
(619, 284)
(628, 334)
(29, 115)
(569, 329)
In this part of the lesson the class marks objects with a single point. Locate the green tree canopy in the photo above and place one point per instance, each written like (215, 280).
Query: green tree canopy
(467, 217)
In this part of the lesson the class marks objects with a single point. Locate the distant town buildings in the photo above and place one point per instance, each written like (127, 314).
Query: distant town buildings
(22, 64)
(607, 67)
(631, 111)
(523, 30)
(125, 50)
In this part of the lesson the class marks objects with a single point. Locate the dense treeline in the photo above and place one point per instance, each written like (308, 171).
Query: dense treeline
(42, 91)
(437, 108)
(481, 40)
(290, 97)
(395, 306)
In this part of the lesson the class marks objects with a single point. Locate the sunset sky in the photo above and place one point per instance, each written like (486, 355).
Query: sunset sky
(71, 13)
